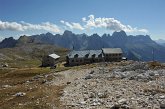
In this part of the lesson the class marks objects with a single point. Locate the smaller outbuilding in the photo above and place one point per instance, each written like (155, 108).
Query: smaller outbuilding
(50, 60)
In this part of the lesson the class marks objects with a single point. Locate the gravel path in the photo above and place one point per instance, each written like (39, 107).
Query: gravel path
(69, 76)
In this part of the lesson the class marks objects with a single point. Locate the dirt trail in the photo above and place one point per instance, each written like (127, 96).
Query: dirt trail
(69, 76)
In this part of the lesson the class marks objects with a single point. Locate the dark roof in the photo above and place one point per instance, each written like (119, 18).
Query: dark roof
(83, 53)
(111, 50)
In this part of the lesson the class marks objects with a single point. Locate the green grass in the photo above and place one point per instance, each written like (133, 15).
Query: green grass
(27, 72)
(4, 71)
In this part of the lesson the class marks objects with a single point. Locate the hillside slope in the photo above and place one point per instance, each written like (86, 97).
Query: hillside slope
(30, 54)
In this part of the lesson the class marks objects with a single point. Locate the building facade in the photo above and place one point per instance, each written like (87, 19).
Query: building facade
(84, 57)
(92, 56)
(112, 54)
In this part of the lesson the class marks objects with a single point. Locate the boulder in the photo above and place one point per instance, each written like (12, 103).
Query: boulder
(20, 94)
(88, 77)
(122, 101)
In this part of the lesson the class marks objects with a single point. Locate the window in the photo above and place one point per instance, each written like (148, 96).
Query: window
(100, 55)
(76, 56)
(86, 55)
(93, 56)
(73, 60)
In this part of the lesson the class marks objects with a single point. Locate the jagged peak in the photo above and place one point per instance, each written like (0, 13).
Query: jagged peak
(120, 33)
(67, 32)
(49, 34)
(8, 42)
(9, 38)
(106, 35)
(23, 37)
(95, 34)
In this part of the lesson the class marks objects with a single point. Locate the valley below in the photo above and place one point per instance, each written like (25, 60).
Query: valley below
(126, 84)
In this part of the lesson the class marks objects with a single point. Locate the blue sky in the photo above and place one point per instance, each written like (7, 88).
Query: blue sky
(18, 17)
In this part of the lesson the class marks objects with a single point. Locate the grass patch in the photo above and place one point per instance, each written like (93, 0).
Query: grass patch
(154, 64)
(4, 71)
(38, 97)
(18, 76)
(23, 63)
(26, 72)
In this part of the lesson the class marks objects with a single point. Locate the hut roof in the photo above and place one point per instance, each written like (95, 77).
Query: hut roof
(111, 50)
(85, 53)
(55, 56)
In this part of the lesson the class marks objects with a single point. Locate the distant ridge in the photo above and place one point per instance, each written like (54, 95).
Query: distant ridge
(161, 42)
(137, 47)
(8, 42)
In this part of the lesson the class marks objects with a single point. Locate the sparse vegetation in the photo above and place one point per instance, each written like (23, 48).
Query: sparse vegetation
(155, 64)
(37, 95)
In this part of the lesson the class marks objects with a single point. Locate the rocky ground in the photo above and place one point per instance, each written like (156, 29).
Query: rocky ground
(125, 85)
(135, 85)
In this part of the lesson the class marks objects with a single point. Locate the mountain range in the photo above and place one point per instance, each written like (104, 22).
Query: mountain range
(161, 42)
(139, 47)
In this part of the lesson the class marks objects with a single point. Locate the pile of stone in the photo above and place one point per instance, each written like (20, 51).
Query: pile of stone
(139, 71)
(129, 86)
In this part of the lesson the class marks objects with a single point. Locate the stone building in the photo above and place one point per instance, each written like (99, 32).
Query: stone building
(84, 57)
(92, 56)
(112, 54)
(50, 60)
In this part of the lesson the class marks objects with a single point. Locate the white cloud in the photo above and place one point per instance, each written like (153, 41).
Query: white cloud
(10, 26)
(72, 25)
(87, 23)
(109, 23)
(143, 30)
(83, 19)
(77, 26)
(62, 21)
(23, 26)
